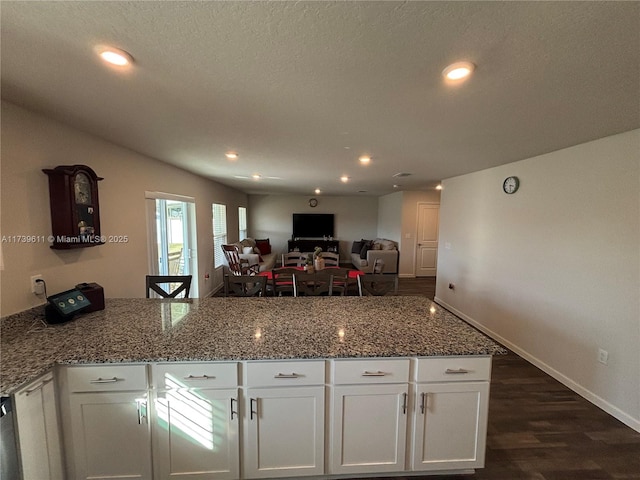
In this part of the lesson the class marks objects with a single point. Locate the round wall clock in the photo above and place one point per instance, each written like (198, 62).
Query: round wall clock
(510, 184)
(313, 202)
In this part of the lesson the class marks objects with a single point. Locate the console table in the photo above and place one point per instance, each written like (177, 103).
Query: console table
(310, 245)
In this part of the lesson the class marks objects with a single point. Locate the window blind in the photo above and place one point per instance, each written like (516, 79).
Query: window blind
(219, 233)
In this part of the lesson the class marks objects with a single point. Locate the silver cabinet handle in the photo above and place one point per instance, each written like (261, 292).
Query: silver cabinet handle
(199, 377)
(404, 403)
(287, 375)
(451, 371)
(423, 402)
(374, 374)
(251, 410)
(142, 410)
(106, 380)
(233, 412)
(37, 387)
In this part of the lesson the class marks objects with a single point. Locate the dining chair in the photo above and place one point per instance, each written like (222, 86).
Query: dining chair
(245, 286)
(282, 280)
(177, 284)
(378, 266)
(313, 284)
(237, 265)
(331, 259)
(377, 284)
(293, 259)
(341, 280)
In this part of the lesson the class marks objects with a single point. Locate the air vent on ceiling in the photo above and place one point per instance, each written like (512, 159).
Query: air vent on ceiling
(401, 174)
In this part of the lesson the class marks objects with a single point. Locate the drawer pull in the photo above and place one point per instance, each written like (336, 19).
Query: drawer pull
(37, 387)
(106, 380)
(287, 375)
(374, 374)
(199, 377)
(451, 371)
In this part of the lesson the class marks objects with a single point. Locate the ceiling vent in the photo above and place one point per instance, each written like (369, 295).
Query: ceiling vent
(401, 174)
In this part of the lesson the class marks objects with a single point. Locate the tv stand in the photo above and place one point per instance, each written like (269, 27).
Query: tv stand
(307, 245)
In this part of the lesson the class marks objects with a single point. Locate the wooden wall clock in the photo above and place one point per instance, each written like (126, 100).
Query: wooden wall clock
(75, 211)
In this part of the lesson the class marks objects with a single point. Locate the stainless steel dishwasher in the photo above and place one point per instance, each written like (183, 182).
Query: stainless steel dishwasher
(9, 465)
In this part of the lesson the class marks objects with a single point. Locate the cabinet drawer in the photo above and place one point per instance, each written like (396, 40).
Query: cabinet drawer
(348, 372)
(285, 374)
(454, 369)
(166, 376)
(107, 378)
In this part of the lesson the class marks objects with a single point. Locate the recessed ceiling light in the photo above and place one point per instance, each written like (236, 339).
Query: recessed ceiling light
(256, 176)
(114, 56)
(458, 70)
(365, 159)
(231, 155)
(438, 187)
(317, 190)
(344, 179)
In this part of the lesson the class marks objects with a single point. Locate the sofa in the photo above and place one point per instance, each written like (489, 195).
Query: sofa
(364, 254)
(256, 251)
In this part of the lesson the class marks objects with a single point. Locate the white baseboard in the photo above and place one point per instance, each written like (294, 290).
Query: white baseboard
(568, 382)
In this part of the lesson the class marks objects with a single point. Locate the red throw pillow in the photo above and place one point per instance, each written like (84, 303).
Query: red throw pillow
(264, 246)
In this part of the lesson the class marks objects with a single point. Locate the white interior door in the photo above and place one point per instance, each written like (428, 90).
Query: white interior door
(427, 239)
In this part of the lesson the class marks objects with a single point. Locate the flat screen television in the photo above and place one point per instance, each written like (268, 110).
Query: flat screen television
(312, 225)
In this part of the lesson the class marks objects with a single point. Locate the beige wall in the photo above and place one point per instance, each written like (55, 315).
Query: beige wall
(554, 270)
(270, 216)
(30, 143)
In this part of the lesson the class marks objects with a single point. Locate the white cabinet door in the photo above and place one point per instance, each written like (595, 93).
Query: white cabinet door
(39, 431)
(196, 434)
(284, 432)
(369, 428)
(111, 435)
(451, 425)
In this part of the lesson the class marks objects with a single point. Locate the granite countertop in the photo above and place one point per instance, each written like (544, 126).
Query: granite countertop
(152, 330)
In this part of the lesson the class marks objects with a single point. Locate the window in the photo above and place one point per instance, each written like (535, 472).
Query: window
(219, 233)
(242, 222)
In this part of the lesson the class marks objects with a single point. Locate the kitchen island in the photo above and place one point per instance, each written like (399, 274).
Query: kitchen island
(264, 358)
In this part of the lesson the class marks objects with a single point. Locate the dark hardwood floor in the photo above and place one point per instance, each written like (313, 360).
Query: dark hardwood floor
(541, 430)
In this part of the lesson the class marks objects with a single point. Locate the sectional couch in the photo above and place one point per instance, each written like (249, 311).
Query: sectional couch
(365, 252)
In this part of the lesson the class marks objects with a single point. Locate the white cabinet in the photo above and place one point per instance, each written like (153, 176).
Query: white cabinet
(195, 421)
(38, 430)
(369, 416)
(108, 433)
(451, 416)
(284, 419)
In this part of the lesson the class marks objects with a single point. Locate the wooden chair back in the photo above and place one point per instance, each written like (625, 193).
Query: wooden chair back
(377, 284)
(282, 280)
(245, 285)
(317, 283)
(177, 285)
(293, 259)
(237, 265)
(331, 259)
(341, 280)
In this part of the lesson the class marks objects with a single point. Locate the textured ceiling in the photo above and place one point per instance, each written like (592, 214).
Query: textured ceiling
(301, 89)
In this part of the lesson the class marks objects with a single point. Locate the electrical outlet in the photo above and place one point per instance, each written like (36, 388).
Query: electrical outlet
(603, 356)
(37, 287)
